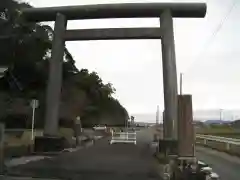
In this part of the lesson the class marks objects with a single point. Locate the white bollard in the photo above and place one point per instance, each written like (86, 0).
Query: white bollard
(204, 141)
(227, 146)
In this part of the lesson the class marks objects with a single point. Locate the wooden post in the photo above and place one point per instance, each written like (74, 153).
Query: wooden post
(165, 134)
(186, 136)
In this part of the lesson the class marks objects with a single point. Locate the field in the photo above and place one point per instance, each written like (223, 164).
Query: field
(220, 131)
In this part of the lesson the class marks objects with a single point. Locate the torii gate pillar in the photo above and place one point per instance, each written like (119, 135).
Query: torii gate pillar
(54, 86)
(169, 75)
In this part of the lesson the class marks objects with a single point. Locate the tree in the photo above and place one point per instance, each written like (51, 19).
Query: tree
(25, 49)
(29, 50)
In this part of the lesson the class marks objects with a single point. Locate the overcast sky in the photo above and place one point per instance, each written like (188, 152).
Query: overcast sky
(209, 60)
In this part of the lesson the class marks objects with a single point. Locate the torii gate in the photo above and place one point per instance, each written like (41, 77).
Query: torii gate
(166, 12)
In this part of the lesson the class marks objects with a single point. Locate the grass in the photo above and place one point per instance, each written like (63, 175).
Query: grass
(220, 131)
(17, 143)
(25, 137)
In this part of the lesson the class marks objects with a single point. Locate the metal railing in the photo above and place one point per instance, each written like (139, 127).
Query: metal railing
(219, 139)
(230, 145)
(123, 137)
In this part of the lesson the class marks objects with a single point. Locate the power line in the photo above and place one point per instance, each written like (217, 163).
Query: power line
(218, 28)
(215, 32)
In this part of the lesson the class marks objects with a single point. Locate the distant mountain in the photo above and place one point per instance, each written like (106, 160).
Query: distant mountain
(216, 122)
(207, 116)
(214, 114)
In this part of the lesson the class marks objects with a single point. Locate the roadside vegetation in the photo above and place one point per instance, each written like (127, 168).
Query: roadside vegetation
(25, 50)
(231, 130)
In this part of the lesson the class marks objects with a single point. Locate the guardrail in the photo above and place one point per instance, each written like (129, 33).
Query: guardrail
(229, 145)
(124, 137)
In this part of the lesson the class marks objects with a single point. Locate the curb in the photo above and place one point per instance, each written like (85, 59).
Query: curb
(7, 177)
(227, 152)
(47, 155)
(24, 160)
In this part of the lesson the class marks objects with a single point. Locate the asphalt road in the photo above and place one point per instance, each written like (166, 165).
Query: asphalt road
(101, 161)
(226, 166)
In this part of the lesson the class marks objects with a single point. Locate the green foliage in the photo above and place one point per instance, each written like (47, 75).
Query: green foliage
(28, 52)
(99, 94)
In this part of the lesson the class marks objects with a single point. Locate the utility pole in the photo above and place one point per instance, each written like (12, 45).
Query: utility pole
(157, 115)
(181, 74)
(126, 124)
(220, 114)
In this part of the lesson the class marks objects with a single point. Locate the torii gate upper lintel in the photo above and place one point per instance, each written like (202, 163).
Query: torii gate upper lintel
(126, 10)
(166, 12)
